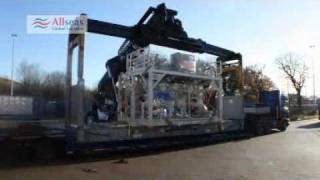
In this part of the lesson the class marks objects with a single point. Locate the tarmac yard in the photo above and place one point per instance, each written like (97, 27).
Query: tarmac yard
(294, 154)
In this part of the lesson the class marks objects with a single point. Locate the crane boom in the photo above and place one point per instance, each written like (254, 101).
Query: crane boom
(159, 26)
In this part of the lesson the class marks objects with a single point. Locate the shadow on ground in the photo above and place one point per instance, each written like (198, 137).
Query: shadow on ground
(311, 126)
(19, 157)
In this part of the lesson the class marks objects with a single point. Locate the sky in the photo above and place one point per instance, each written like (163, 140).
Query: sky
(261, 30)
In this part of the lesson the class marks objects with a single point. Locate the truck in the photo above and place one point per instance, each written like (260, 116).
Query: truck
(270, 112)
(143, 97)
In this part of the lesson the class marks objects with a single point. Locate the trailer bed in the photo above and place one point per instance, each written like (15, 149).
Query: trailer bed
(31, 129)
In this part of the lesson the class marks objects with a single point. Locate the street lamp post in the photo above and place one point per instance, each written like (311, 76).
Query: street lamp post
(313, 76)
(12, 63)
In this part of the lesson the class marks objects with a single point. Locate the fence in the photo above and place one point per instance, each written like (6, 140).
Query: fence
(306, 110)
(16, 106)
(24, 108)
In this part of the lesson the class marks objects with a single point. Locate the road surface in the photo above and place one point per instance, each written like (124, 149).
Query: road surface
(294, 154)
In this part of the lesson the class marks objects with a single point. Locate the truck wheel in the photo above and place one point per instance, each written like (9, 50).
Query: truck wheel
(249, 125)
(45, 150)
(283, 126)
(259, 130)
(266, 130)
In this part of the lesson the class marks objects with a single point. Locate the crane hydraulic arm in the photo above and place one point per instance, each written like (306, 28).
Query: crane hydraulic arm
(159, 26)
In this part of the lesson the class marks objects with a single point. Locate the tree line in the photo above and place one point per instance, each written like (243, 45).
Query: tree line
(33, 81)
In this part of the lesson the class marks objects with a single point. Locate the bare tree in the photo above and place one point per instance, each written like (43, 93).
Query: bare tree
(295, 70)
(4, 86)
(53, 86)
(30, 77)
(35, 82)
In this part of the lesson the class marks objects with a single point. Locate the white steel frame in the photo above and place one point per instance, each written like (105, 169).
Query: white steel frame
(140, 64)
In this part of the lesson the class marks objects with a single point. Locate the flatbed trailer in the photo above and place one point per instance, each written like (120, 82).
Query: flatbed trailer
(212, 102)
(22, 139)
(31, 129)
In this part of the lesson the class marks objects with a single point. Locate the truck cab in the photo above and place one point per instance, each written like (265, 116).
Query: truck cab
(268, 113)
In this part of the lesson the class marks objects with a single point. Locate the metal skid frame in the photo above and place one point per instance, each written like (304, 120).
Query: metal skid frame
(140, 64)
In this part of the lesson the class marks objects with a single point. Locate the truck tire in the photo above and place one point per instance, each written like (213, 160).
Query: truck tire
(45, 150)
(259, 130)
(249, 124)
(283, 125)
(253, 125)
(267, 130)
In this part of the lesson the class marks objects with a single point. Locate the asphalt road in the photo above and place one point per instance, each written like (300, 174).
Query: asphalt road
(294, 154)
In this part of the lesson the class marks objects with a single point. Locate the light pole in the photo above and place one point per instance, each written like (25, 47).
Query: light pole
(12, 63)
(313, 76)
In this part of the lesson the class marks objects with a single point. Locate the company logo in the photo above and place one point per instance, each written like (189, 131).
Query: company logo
(41, 23)
(56, 24)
